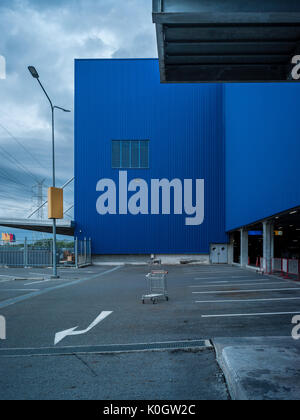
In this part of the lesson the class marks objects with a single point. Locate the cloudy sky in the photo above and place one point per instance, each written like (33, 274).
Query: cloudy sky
(50, 34)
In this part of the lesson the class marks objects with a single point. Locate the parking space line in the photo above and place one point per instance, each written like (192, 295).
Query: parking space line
(241, 281)
(246, 291)
(40, 274)
(37, 282)
(247, 300)
(221, 273)
(250, 315)
(232, 284)
(218, 278)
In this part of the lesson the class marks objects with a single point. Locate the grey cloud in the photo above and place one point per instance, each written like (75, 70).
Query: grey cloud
(50, 34)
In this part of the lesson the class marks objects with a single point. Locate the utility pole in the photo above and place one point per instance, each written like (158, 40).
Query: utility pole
(38, 195)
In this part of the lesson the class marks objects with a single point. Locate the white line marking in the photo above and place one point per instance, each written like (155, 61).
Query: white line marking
(246, 300)
(218, 278)
(238, 315)
(245, 291)
(38, 282)
(19, 290)
(18, 299)
(221, 273)
(239, 284)
(61, 335)
(239, 281)
(39, 274)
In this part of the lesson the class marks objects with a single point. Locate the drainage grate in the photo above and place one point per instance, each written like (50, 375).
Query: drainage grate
(109, 348)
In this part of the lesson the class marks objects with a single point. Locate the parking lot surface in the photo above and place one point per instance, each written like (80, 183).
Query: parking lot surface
(99, 310)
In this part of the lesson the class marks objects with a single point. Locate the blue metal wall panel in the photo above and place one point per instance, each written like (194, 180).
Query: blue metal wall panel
(262, 151)
(123, 99)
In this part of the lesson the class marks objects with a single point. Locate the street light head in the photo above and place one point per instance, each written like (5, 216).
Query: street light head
(33, 72)
(62, 109)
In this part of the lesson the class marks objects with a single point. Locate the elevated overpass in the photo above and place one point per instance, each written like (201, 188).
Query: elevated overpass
(64, 227)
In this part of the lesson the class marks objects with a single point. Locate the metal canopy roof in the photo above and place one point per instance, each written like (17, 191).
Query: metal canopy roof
(227, 41)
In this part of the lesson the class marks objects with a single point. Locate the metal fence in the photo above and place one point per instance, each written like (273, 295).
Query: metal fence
(83, 252)
(40, 254)
(286, 267)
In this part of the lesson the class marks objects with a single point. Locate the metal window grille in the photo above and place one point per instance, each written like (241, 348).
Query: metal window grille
(130, 154)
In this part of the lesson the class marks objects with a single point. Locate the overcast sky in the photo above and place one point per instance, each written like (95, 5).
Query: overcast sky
(50, 34)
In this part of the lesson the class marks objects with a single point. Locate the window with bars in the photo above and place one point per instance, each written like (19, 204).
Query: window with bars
(130, 154)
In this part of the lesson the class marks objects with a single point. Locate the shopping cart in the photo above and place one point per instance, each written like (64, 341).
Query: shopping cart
(157, 286)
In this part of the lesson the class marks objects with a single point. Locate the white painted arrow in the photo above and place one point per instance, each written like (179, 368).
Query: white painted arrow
(61, 335)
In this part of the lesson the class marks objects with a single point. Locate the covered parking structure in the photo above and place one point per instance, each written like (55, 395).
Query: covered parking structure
(264, 243)
(222, 41)
(246, 41)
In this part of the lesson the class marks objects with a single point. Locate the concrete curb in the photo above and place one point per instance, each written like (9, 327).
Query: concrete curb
(232, 378)
(260, 368)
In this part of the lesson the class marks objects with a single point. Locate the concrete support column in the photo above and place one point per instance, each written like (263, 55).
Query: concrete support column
(244, 247)
(268, 244)
(230, 249)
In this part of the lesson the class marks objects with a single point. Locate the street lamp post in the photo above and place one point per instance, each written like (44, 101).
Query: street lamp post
(36, 76)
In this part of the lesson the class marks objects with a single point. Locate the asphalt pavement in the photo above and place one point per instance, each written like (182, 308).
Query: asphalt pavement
(132, 347)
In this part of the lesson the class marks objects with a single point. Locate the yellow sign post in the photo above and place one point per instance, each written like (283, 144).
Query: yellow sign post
(55, 203)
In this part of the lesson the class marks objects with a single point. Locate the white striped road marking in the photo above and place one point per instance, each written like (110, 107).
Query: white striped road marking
(40, 274)
(239, 284)
(38, 282)
(19, 290)
(246, 300)
(228, 277)
(259, 314)
(245, 291)
(240, 281)
(221, 272)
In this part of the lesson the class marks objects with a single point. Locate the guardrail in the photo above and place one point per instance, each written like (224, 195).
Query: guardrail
(286, 267)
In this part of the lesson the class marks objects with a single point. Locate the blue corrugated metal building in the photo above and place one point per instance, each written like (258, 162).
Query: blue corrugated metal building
(176, 168)
(262, 151)
(121, 105)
